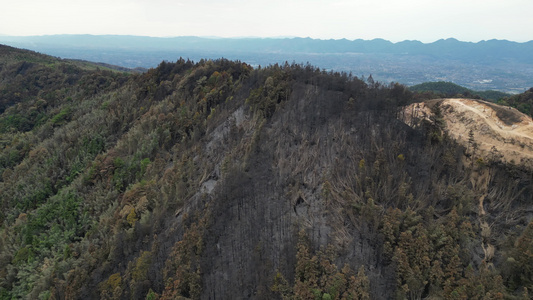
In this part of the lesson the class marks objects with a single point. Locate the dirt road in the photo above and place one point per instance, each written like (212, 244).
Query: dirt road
(497, 130)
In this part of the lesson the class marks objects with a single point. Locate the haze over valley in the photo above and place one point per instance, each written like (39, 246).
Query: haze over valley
(488, 65)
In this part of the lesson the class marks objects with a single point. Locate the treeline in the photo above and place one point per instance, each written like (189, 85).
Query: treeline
(523, 102)
(434, 90)
(442, 89)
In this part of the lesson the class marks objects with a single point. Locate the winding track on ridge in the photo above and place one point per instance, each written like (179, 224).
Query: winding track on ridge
(522, 129)
(514, 142)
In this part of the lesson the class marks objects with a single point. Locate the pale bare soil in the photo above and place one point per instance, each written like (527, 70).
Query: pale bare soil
(499, 132)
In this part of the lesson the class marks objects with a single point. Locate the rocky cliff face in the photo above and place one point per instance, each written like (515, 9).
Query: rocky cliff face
(218, 181)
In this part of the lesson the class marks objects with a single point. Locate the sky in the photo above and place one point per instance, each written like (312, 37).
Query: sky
(394, 20)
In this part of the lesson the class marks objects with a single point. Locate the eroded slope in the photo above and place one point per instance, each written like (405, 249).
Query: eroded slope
(486, 129)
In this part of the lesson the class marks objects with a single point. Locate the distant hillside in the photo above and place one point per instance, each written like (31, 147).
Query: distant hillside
(444, 89)
(10, 55)
(431, 90)
(486, 65)
(25, 75)
(218, 180)
(523, 102)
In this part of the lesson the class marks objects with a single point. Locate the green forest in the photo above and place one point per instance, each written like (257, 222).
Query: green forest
(217, 180)
(523, 102)
(442, 89)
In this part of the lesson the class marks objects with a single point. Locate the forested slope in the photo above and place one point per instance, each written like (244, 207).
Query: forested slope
(522, 102)
(442, 89)
(214, 180)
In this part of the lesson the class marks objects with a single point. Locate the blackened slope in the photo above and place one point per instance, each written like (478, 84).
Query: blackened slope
(264, 165)
(217, 180)
(335, 163)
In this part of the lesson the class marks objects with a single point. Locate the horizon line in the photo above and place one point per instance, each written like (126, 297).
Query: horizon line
(256, 37)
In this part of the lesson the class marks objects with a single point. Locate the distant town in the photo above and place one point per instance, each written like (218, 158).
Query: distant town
(488, 65)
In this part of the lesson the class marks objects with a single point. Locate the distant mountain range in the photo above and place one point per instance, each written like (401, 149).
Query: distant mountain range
(495, 64)
(451, 48)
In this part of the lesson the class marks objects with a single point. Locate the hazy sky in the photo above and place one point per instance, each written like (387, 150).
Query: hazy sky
(395, 20)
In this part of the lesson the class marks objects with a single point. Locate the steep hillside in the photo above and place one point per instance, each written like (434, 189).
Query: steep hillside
(215, 180)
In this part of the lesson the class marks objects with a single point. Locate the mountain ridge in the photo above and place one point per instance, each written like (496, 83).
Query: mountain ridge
(342, 45)
(219, 180)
